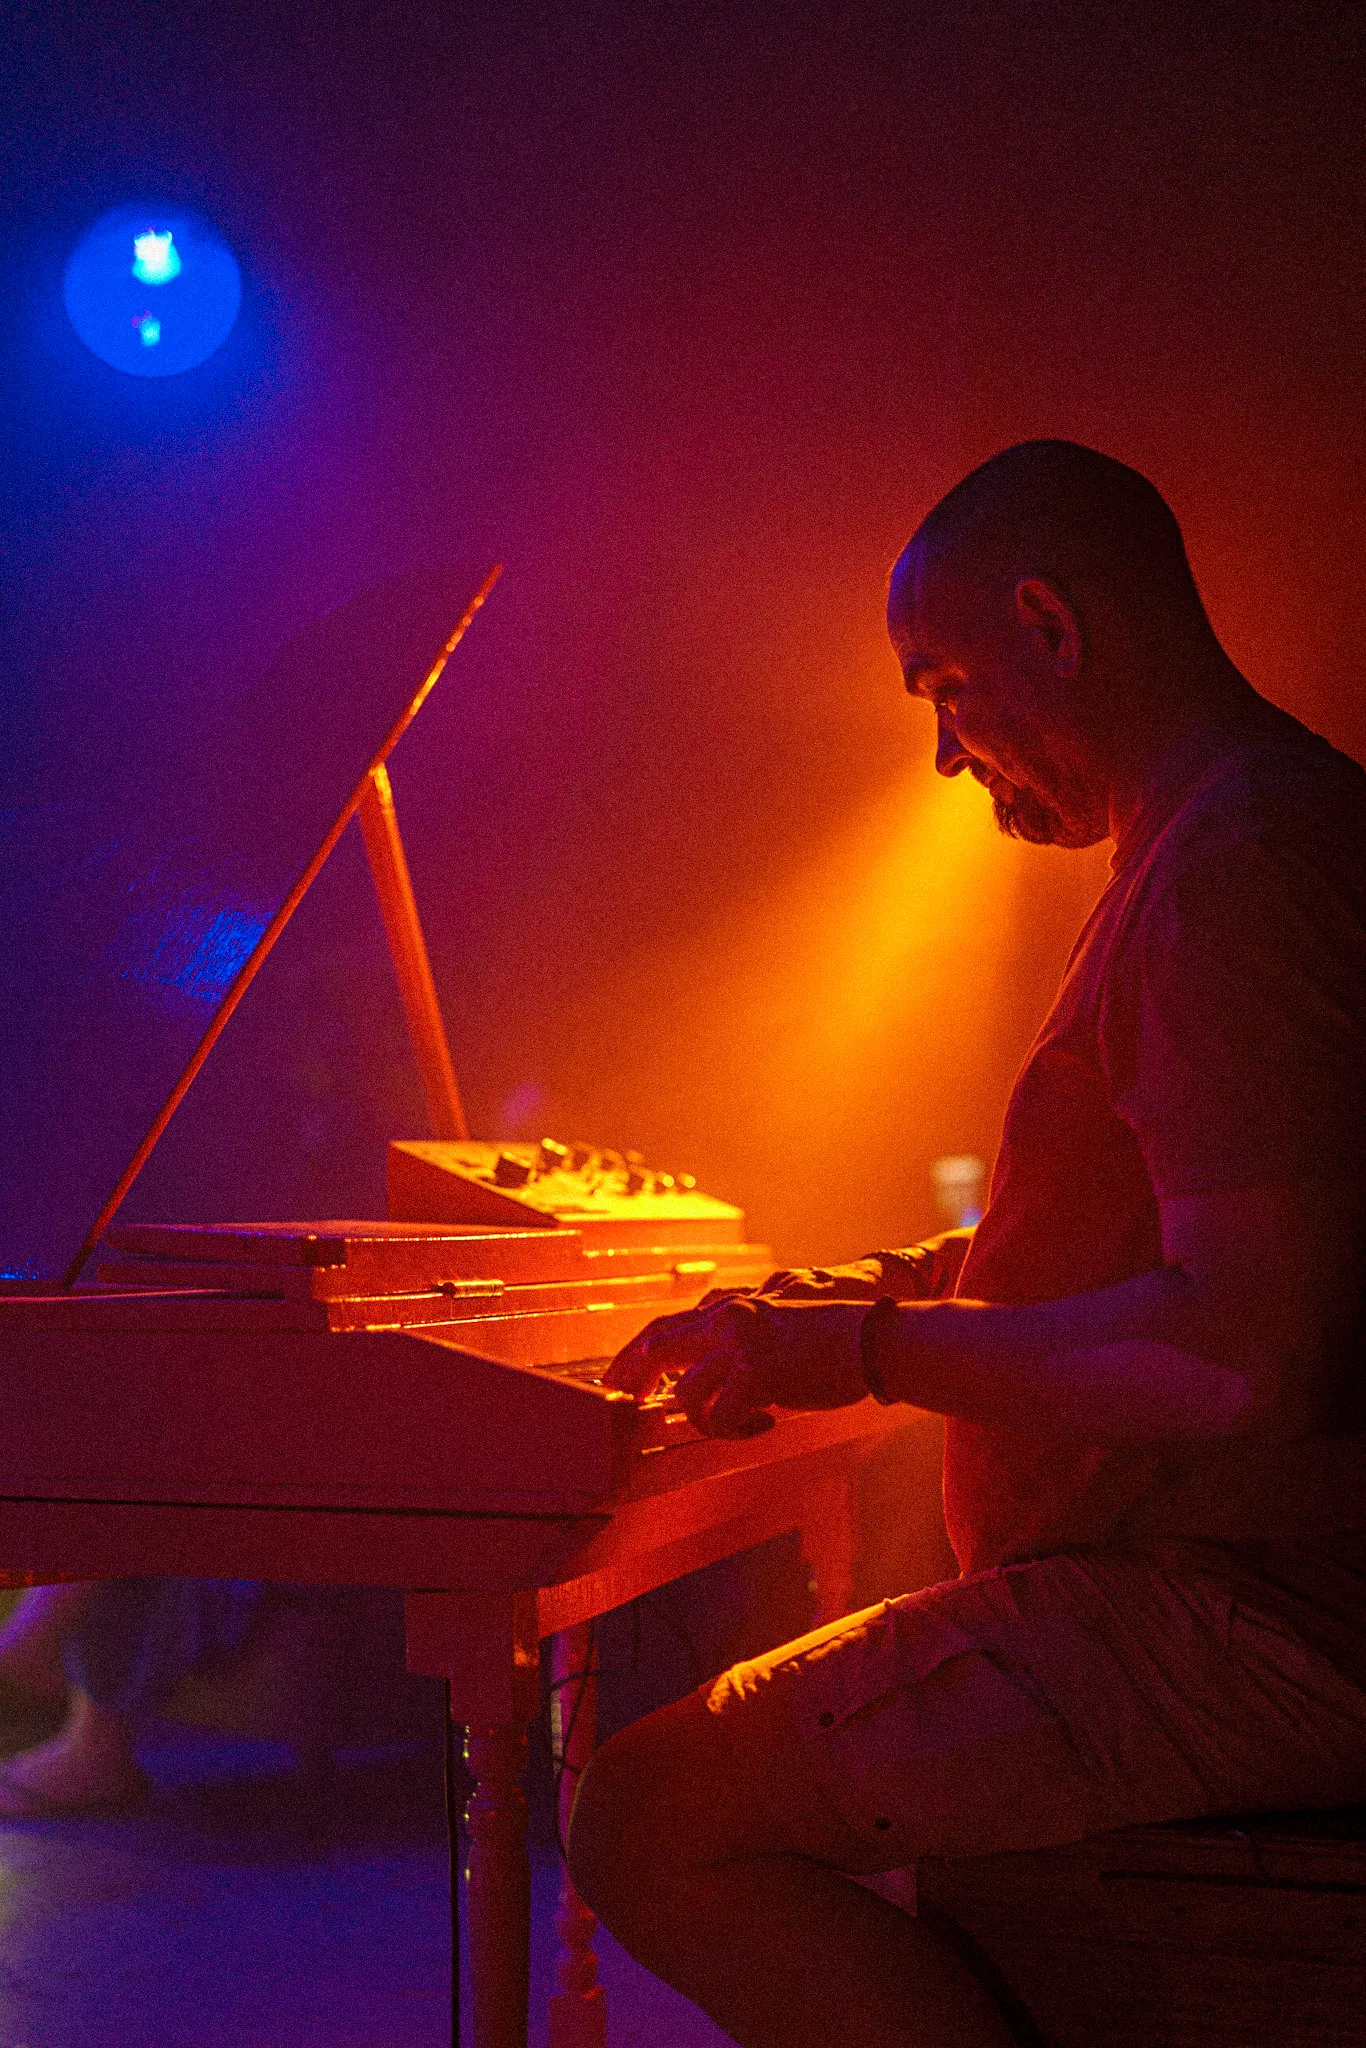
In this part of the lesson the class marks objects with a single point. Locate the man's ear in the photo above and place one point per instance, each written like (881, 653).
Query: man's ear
(1051, 619)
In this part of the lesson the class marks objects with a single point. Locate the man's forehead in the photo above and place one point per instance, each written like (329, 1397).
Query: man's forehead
(915, 612)
(902, 591)
(936, 595)
(927, 585)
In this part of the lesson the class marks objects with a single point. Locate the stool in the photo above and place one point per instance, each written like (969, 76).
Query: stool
(1247, 1932)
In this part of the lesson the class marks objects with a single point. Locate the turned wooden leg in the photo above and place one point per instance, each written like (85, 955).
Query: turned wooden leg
(578, 2010)
(497, 1887)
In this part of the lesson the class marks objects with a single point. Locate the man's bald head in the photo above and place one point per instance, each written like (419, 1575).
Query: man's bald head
(1086, 524)
(1047, 612)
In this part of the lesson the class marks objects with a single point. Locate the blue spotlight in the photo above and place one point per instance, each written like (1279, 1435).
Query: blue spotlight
(156, 260)
(152, 290)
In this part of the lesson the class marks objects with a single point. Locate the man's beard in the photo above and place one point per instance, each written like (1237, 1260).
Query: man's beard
(1023, 814)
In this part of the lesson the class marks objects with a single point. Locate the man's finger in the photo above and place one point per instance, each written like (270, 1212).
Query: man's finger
(667, 1342)
(700, 1385)
(636, 1367)
(631, 1371)
(738, 1409)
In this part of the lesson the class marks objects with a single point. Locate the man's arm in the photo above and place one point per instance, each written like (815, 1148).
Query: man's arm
(927, 1271)
(1230, 1335)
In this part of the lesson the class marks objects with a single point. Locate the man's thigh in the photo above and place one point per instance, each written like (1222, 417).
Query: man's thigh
(861, 1745)
(890, 1735)
(1011, 1710)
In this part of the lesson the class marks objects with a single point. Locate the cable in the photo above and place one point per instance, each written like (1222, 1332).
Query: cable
(560, 1756)
(660, 1604)
(545, 1733)
(660, 1607)
(453, 1849)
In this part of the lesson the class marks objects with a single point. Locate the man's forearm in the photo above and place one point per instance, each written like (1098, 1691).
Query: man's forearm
(922, 1272)
(1114, 1364)
(927, 1271)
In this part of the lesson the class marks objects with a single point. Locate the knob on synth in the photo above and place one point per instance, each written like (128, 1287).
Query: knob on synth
(511, 1172)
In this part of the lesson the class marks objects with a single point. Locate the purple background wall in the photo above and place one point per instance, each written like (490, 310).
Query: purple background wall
(687, 314)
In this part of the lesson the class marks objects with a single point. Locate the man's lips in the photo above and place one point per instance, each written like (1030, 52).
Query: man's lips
(995, 785)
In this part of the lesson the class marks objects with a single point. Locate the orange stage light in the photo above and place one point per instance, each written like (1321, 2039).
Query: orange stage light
(832, 1034)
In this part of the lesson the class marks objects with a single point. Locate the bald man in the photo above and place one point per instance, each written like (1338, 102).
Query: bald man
(1150, 1357)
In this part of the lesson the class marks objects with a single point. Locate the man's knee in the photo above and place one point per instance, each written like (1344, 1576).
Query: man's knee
(590, 1846)
(625, 1828)
(687, 1789)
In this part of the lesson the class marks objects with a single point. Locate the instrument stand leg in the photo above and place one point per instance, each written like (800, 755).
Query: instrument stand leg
(578, 2009)
(484, 1645)
(453, 1876)
(498, 1887)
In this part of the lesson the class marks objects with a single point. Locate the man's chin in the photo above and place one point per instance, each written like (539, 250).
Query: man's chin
(1020, 814)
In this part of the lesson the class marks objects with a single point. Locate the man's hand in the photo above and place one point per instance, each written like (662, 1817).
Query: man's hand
(742, 1354)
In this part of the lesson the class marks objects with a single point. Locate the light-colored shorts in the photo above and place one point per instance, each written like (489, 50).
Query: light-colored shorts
(1040, 1703)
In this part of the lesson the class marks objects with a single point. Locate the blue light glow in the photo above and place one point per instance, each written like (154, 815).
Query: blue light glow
(188, 952)
(156, 260)
(179, 256)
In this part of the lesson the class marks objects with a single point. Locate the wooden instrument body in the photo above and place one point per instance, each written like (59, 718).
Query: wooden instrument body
(513, 1499)
(451, 1454)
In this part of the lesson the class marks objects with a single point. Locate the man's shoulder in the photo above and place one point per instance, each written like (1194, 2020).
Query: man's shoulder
(1286, 780)
(1275, 798)
(1258, 873)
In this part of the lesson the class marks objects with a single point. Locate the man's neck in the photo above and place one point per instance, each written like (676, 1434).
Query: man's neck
(1163, 747)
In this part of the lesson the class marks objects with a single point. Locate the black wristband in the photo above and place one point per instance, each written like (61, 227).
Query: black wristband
(881, 1312)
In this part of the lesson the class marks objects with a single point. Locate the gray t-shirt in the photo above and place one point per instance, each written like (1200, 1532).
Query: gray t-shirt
(1209, 1034)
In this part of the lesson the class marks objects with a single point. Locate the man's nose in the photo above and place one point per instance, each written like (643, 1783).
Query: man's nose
(949, 757)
